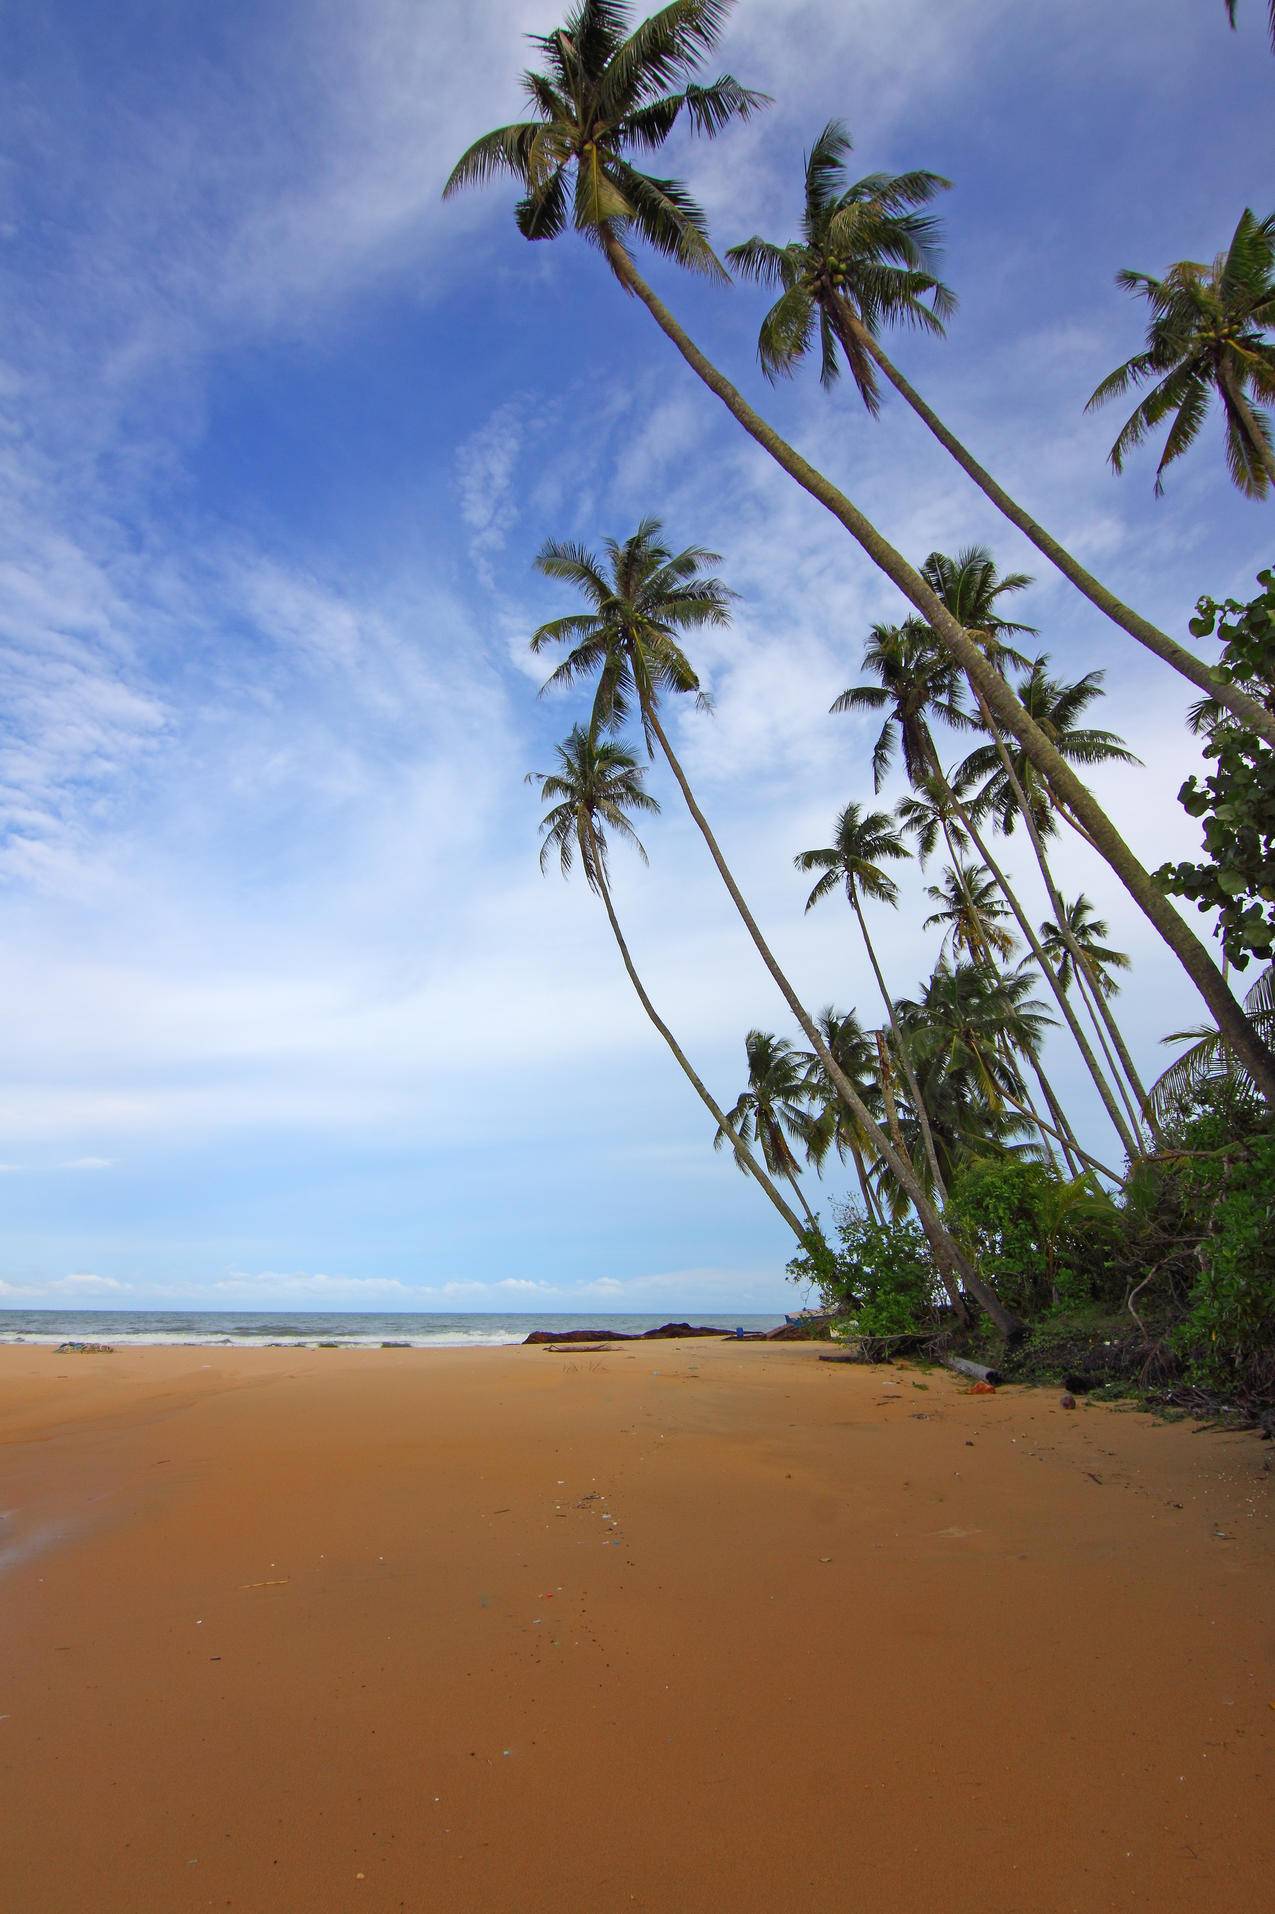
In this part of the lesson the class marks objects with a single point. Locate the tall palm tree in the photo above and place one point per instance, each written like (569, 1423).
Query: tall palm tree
(773, 1108)
(974, 1019)
(1013, 789)
(1016, 789)
(867, 258)
(836, 1126)
(917, 682)
(852, 862)
(605, 92)
(1076, 949)
(933, 810)
(970, 909)
(970, 587)
(640, 599)
(595, 789)
(1206, 339)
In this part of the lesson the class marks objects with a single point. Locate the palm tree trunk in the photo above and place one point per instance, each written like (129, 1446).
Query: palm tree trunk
(1150, 899)
(869, 1201)
(1246, 709)
(954, 1266)
(1047, 970)
(1080, 1151)
(1046, 1136)
(1066, 1135)
(812, 1221)
(1137, 1114)
(742, 1153)
(950, 1282)
(914, 1088)
(1096, 998)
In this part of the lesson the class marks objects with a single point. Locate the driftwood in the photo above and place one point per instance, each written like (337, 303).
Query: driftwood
(977, 1371)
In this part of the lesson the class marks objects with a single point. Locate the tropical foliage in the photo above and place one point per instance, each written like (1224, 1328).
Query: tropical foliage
(985, 1197)
(1237, 800)
(1206, 340)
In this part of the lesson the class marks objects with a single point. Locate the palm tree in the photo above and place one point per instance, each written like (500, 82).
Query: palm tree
(583, 126)
(597, 785)
(1230, 14)
(773, 1108)
(933, 810)
(603, 94)
(1206, 339)
(970, 910)
(916, 681)
(867, 258)
(974, 1019)
(1076, 950)
(852, 862)
(1012, 788)
(640, 599)
(836, 1126)
(1211, 1064)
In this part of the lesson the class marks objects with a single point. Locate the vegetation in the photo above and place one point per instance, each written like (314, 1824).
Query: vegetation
(1237, 800)
(984, 1208)
(1206, 339)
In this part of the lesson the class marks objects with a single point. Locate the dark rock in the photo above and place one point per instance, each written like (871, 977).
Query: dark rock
(396, 1345)
(579, 1335)
(1068, 1402)
(85, 1349)
(1078, 1385)
(667, 1330)
(664, 1333)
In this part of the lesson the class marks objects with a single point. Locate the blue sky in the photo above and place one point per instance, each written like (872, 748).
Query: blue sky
(290, 1015)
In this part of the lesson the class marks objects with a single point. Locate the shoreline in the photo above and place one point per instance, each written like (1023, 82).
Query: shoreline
(317, 1632)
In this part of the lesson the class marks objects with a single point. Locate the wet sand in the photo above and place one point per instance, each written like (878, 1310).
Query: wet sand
(675, 1627)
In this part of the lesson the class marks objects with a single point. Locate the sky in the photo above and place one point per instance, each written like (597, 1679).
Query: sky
(290, 1015)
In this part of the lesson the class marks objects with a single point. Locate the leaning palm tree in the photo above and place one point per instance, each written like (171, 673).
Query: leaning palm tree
(972, 589)
(915, 683)
(930, 811)
(1079, 955)
(596, 787)
(970, 909)
(1206, 338)
(836, 1126)
(861, 843)
(773, 1110)
(640, 599)
(867, 258)
(603, 92)
(1013, 789)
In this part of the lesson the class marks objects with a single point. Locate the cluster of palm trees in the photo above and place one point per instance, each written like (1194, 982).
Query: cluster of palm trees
(950, 1073)
(958, 1063)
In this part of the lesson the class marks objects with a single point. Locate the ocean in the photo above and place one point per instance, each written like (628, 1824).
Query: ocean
(298, 1330)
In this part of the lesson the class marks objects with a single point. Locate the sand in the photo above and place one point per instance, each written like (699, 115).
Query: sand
(675, 1627)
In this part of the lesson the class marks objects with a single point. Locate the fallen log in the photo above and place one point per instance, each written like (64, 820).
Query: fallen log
(977, 1371)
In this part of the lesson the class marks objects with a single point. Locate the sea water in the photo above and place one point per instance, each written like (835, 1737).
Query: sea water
(297, 1330)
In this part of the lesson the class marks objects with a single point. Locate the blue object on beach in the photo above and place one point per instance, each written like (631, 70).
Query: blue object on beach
(739, 1331)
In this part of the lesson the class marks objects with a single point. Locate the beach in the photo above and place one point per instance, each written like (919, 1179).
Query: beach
(674, 1626)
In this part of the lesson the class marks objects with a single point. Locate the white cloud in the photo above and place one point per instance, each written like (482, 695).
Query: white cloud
(88, 1283)
(88, 1163)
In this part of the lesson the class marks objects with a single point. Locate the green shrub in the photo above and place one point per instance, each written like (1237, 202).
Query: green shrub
(1043, 1241)
(879, 1274)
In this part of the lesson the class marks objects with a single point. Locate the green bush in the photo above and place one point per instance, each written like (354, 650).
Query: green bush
(879, 1274)
(1043, 1241)
(1228, 1334)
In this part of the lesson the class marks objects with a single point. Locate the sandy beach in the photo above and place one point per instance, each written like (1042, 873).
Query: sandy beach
(680, 1626)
